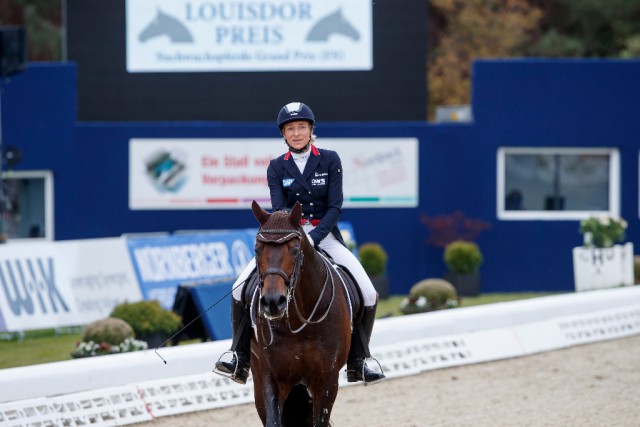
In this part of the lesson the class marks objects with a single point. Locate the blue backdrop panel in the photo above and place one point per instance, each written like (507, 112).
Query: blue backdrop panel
(217, 320)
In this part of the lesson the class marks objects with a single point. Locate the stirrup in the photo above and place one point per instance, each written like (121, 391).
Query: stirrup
(234, 375)
(364, 366)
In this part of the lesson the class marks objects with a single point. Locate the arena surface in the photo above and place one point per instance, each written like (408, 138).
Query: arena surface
(586, 385)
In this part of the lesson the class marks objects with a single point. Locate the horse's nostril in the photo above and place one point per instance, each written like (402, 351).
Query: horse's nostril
(282, 300)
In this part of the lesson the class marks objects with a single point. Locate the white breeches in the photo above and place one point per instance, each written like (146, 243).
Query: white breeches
(340, 254)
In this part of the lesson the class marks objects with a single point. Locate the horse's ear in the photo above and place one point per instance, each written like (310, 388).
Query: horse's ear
(296, 214)
(261, 215)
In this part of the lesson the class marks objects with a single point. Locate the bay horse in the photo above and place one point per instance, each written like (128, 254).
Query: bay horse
(302, 325)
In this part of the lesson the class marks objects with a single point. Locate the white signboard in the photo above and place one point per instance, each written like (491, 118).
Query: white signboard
(230, 173)
(53, 284)
(248, 35)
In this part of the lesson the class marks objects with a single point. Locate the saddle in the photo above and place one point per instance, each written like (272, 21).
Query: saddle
(354, 294)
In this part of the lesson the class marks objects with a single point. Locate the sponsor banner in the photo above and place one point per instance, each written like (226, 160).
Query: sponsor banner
(161, 264)
(230, 173)
(249, 35)
(54, 284)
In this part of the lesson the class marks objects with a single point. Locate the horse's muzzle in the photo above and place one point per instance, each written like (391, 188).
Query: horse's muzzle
(273, 305)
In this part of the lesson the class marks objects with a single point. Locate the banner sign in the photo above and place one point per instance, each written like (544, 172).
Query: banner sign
(230, 173)
(161, 264)
(55, 284)
(248, 35)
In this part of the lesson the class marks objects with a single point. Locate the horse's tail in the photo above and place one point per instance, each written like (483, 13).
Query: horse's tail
(297, 409)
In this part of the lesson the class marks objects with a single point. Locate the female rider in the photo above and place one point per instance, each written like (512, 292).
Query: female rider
(313, 177)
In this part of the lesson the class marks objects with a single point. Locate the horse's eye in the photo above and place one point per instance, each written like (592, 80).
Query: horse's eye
(258, 251)
(295, 250)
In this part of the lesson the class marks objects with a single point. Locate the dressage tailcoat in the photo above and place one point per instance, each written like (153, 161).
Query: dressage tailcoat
(318, 189)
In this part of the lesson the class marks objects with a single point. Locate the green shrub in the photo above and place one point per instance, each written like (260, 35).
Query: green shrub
(147, 317)
(429, 295)
(110, 330)
(373, 259)
(636, 269)
(462, 257)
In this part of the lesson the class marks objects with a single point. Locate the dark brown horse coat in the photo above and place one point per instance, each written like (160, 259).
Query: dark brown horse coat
(303, 325)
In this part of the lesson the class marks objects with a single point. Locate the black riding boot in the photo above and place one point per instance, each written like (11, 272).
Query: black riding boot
(357, 369)
(238, 368)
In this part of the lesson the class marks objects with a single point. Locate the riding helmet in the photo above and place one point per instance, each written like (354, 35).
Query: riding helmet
(295, 111)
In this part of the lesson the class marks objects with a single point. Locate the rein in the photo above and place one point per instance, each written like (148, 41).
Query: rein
(292, 281)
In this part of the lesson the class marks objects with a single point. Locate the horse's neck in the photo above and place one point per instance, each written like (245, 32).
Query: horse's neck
(313, 277)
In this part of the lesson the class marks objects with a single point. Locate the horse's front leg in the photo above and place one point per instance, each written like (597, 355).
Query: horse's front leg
(273, 403)
(324, 395)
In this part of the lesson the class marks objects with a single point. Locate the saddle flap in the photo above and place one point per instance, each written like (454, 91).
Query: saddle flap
(353, 291)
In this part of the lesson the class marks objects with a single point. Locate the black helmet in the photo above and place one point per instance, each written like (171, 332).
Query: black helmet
(295, 111)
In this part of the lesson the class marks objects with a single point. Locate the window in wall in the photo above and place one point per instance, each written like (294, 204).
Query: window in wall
(28, 210)
(557, 183)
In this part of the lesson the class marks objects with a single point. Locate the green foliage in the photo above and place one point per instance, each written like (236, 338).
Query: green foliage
(603, 231)
(111, 331)
(147, 317)
(436, 291)
(636, 269)
(42, 20)
(588, 28)
(462, 257)
(429, 295)
(373, 258)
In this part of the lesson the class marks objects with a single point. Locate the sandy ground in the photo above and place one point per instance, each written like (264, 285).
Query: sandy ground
(589, 385)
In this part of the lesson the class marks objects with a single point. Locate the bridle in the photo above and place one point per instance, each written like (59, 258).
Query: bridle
(292, 281)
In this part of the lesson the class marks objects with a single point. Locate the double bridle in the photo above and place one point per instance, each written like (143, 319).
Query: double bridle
(293, 280)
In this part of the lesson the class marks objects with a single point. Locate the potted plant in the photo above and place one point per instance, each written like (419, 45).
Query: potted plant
(463, 260)
(602, 231)
(374, 261)
(602, 261)
(150, 322)
(107, 336)
(430, 295)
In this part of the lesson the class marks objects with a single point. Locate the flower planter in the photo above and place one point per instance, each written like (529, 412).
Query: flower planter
(155, 339)
(467, 285)
(381, 283)
(602, 268)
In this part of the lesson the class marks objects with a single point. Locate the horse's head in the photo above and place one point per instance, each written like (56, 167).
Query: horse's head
(334, 23)
(165, 25)
(278, 257)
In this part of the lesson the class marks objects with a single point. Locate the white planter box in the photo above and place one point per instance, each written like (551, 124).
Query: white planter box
(600, 268)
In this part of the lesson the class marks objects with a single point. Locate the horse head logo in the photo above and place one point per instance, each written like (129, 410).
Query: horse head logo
(165, 25)
(333, 23)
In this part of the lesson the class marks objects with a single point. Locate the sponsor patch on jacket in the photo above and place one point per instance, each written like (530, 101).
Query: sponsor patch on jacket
(287, 182)
(318, 181)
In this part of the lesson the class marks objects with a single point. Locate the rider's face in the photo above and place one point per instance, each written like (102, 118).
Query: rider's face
(297, 133)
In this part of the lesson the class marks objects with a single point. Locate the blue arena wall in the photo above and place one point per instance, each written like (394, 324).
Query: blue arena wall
(559, 103)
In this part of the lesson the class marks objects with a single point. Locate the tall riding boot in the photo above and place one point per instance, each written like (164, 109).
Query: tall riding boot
(238, 368)
(357, 369)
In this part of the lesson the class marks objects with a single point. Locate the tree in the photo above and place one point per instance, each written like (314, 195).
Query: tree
(473, 29)
(42, 20)
(589, 28)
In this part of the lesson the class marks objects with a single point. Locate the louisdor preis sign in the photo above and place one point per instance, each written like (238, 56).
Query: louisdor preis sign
(250, 35)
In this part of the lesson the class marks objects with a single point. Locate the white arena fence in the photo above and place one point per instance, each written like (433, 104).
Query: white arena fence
(134, 387)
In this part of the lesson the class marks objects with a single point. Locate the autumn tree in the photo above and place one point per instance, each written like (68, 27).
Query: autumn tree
(471, 29)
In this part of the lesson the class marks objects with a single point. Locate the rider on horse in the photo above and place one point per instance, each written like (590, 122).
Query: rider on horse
(312, 177)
